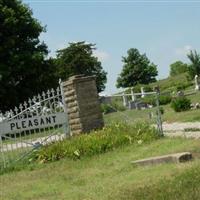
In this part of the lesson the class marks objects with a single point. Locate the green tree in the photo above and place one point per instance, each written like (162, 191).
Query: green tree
(177, 68)
(77, 59)
(23, 68)
(194, 67)
(137, 69)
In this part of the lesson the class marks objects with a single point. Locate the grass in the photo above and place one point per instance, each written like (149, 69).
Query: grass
(169, 114)
(108, 176)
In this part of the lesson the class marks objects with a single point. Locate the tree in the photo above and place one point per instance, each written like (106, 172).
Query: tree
(137, 69)
(77, 59)
(23, 69)
(177, 68)
(194, 67)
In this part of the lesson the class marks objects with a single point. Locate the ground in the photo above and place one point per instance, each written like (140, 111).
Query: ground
(107, 176)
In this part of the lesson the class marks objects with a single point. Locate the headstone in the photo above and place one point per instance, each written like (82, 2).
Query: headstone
(197, 82)
(180, 94)
(125, 100)
(138, 105)
(133, 97)
(83, 106)
(142, 92)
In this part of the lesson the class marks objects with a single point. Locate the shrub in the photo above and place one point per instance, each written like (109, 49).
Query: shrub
(97, 142)
(161, 110)
(181, 104)
(181, 87)
(163, 99)
(106, 108)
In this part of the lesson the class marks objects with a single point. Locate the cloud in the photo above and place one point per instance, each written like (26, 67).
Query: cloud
(101, 55)
(184, 50)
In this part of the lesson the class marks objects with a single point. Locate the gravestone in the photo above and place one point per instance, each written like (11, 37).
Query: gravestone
(197, 82)
(142, 92)
(125, 100)
(83, 106)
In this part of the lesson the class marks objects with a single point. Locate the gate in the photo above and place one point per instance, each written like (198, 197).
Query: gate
(133, 108)
(41, 120)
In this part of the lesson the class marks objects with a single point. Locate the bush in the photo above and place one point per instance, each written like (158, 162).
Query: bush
(181, 87)
(97, 142)
(106, 108)
(161, 110)
(181, 104)
(113, 107)
(163, 99)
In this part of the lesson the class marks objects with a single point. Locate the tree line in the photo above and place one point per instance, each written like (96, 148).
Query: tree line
(26, 69)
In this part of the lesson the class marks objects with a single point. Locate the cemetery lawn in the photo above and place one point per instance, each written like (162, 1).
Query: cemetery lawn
(110, 176)
(169, 115)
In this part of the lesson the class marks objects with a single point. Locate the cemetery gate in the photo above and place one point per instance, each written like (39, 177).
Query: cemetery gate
(41, 120)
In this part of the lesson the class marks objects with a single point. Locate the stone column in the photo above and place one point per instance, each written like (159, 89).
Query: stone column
(83, 106)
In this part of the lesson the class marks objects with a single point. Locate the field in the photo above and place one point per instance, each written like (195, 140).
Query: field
(109, 176)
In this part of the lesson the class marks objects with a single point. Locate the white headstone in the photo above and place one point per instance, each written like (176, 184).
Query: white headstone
(125, 100)
(133, 97)
(197, 84)
(143, 92)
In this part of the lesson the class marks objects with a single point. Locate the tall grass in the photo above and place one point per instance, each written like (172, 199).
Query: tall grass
(97, 142)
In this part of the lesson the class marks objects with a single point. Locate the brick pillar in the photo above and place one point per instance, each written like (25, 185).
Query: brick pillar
(83, 107)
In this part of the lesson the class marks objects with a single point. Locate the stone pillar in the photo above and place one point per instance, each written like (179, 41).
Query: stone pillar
(83, 106)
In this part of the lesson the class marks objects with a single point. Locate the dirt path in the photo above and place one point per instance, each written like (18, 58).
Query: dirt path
(180, 129)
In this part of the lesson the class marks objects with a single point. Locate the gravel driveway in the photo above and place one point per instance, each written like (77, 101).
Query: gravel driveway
(178, 129)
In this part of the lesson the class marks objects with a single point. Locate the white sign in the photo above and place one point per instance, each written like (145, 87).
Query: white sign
(17, 126)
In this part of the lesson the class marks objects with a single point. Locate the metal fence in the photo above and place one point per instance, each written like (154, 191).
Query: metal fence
(39, 121)
(133, 107)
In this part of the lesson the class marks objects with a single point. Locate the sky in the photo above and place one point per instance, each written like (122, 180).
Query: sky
(165, 30)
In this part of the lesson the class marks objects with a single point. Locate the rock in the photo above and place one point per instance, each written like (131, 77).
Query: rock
(170, 158)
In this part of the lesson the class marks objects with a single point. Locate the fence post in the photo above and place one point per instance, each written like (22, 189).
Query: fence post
(159, 119)
(2, 153)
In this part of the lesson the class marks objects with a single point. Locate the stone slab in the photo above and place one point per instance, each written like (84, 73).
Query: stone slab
(170, 158)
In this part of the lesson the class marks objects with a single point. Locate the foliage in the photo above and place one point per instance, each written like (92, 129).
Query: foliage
(180, 104)
(137, 69)
(181, 87)
(194, 67)
(137, 88)
(171, 83)
(78, 59)
(107, 108)
(162, 111)
(24, 72)
(163, 100)
(96, 142)
(113, 107)
(177, 68)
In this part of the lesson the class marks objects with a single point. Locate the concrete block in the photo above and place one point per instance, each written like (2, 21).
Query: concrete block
(170, 158)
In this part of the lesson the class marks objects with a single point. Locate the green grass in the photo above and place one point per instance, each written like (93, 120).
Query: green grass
(169, 114)
(108, 176)
(171, 83)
